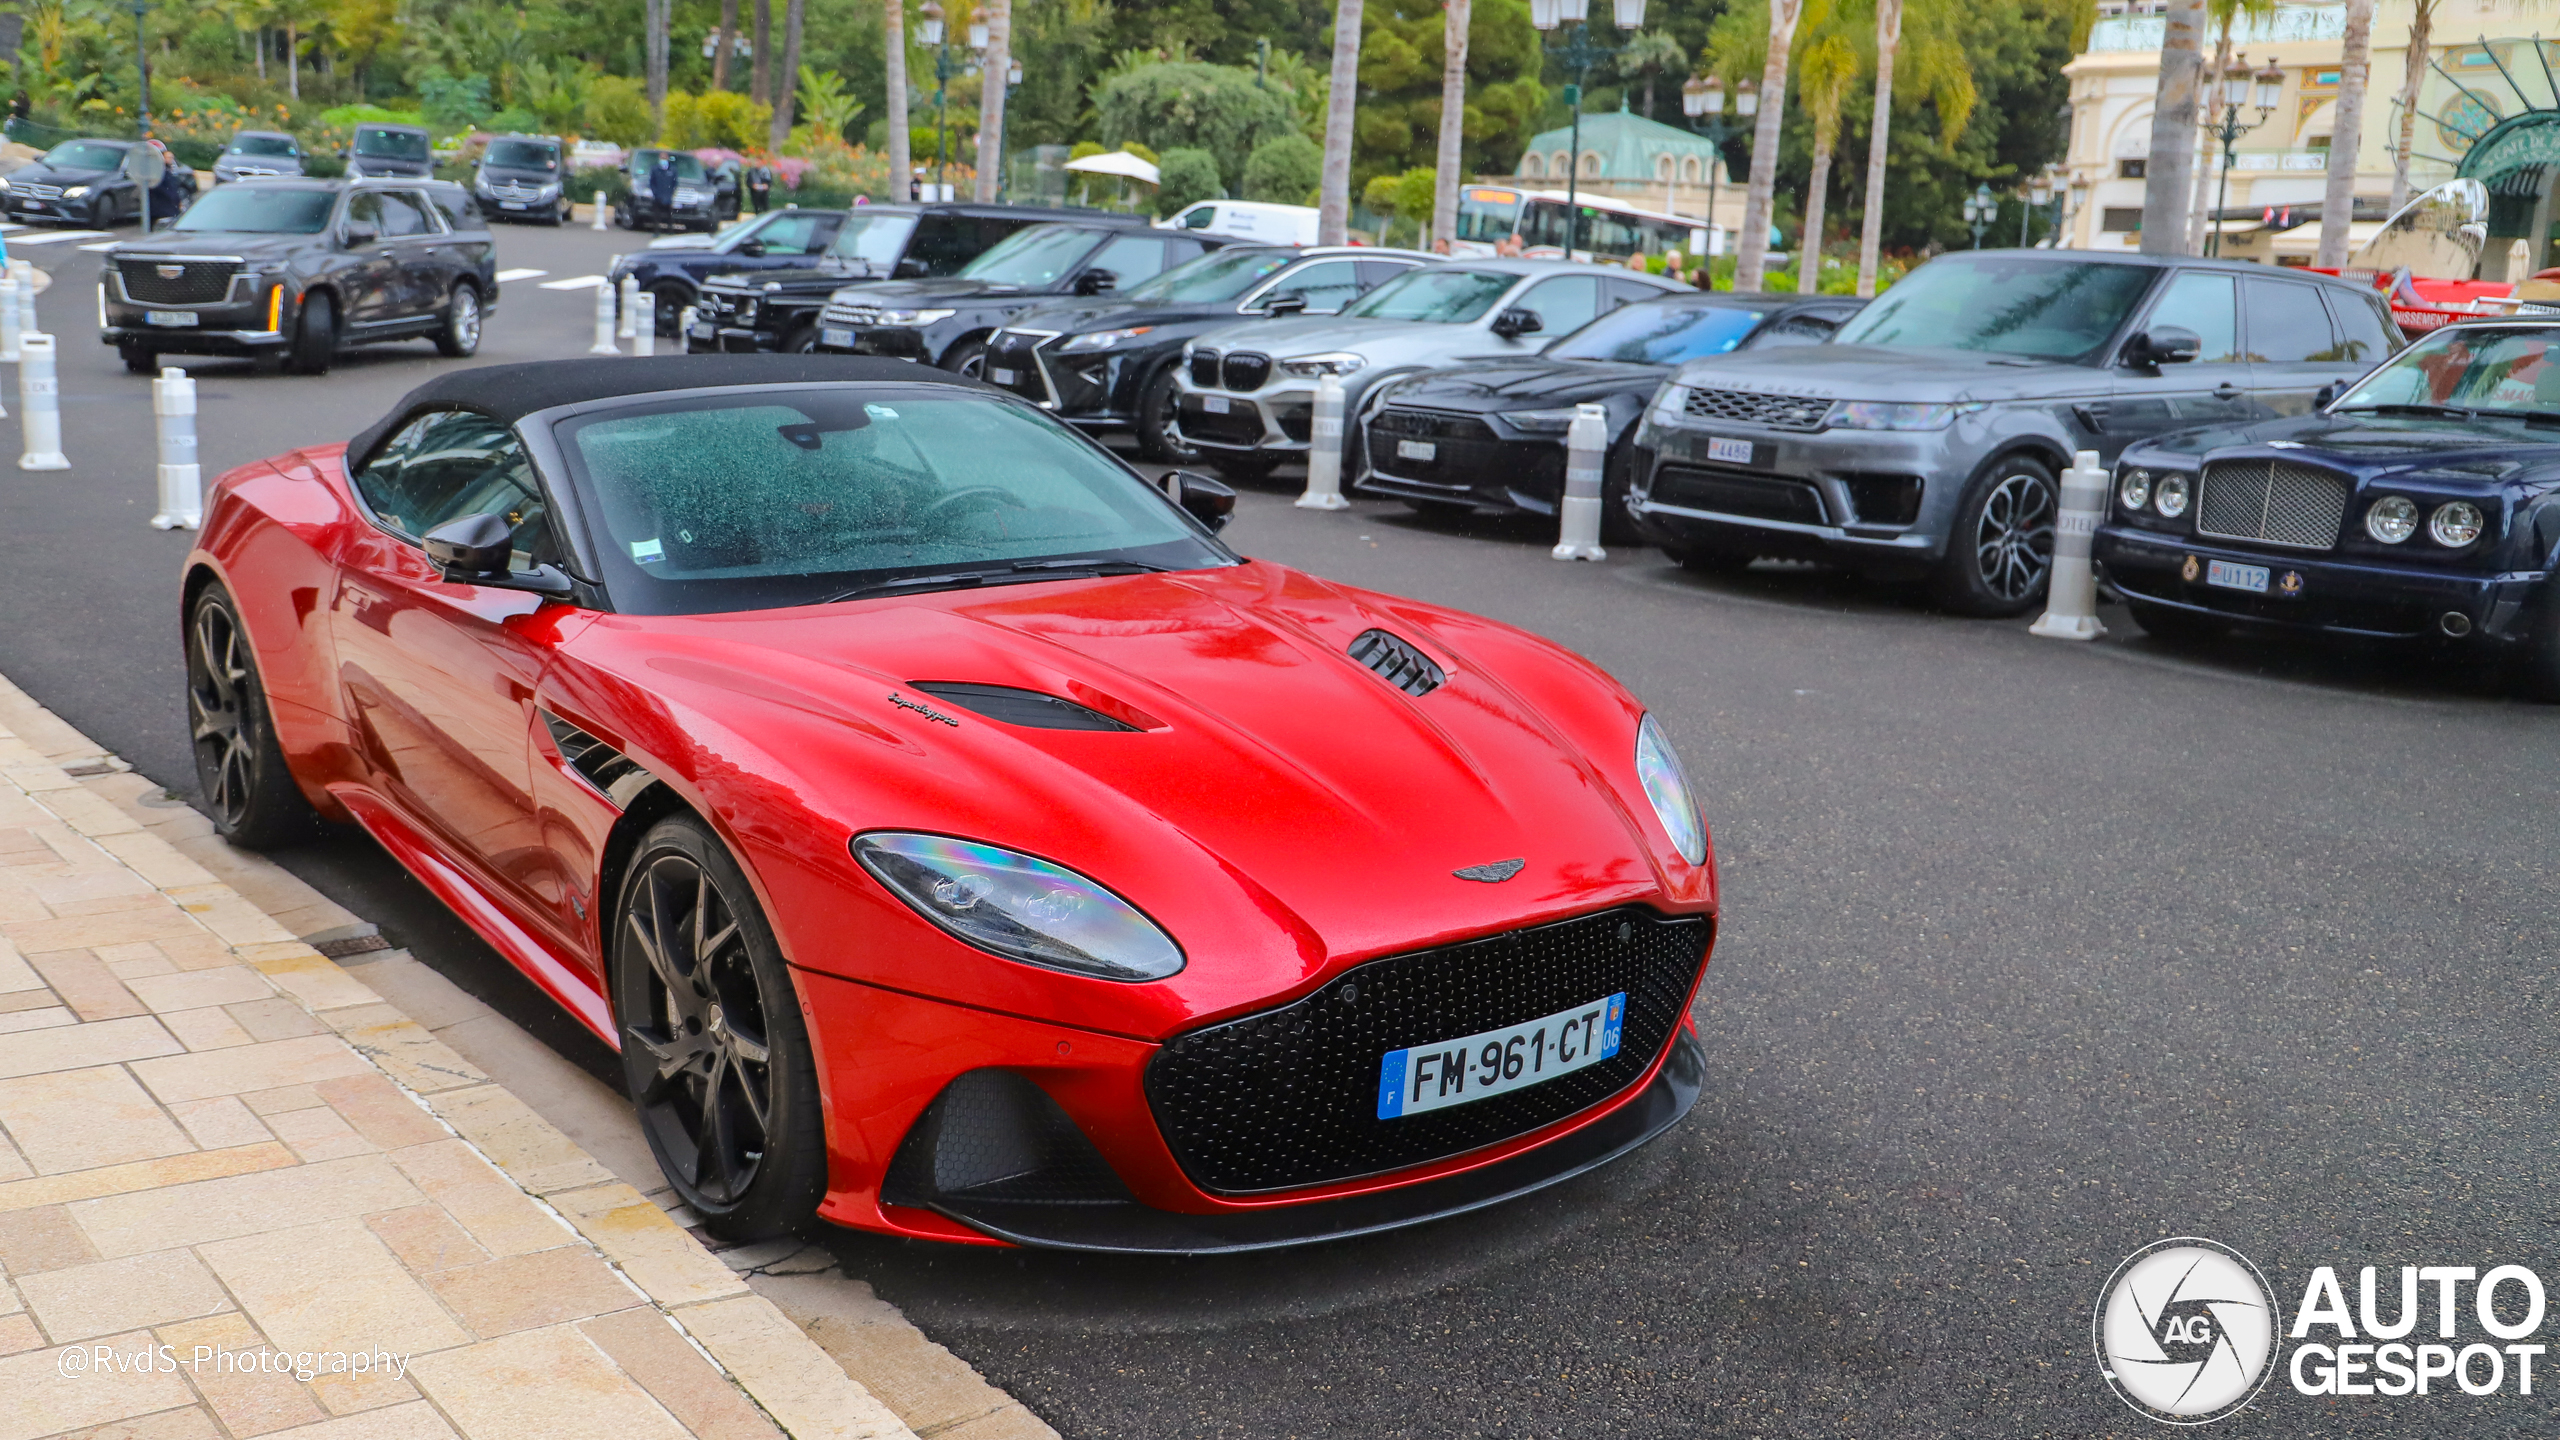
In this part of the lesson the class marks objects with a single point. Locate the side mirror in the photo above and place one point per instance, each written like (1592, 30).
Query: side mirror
(751, 247)
(2327, 396)
(363, 232)
(1096, 282)
(909, 270)
(474, 550)
(1208, 501)
(1515, 322)
(2167, 345)
(1292, 304)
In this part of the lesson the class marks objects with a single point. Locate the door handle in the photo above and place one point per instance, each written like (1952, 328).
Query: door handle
(2226, 391)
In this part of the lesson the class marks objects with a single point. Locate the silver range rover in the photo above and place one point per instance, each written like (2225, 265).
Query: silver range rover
(1926, 440)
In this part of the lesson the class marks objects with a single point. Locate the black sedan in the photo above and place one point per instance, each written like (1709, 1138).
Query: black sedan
(1490, 435)
(2422, 505)
(91, 183)
(673, 268)
(1107, 363)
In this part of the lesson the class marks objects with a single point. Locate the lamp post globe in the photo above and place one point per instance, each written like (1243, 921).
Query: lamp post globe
(929, 25)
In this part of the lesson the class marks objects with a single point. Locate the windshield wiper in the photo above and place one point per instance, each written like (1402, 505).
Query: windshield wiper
(2456, 411)
(1018, 572)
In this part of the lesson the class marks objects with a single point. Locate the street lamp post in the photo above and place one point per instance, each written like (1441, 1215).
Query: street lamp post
(1579, 54)
(2038, 191)
(1702, 101)
(2236, 85)
(1012, 83)
(931, 31)
(1980, 208)
(142, 64)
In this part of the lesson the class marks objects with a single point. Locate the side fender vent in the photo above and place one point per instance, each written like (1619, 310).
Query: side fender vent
(617, 775)
(1398, 662)
(1014, 706)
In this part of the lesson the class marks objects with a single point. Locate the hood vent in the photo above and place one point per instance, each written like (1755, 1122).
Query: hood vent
(1398, 662)
(1028, 708)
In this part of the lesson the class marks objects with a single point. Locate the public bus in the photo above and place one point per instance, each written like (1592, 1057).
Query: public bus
(1611, 230)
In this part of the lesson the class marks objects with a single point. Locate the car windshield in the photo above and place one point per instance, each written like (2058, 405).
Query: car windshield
(379, 143)
(688, 167)
(760, 499)
(262, 145)
(2036, 308)
(1040, 255)
(1435, 296)
(85, 155)
(875, 240)
(260, 210)
(524, 154)
(1218, 275)
(2486, 369)
(1660, 334)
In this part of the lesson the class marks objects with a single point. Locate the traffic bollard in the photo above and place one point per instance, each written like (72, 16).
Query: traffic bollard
(684, 330)
(598, 222)
(10, 325)
(41, 399)
(630, 305)
(173, 400)
(604, 323)
(644, 331)
(24, 304)
(1586, 454)
(1324, 450)
(2071, 606)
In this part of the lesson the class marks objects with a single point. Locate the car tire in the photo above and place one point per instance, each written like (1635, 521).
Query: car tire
(2533, 669)
(249, 792)
(315, 334)
(967, 358)
(671, 296)
(1617, 476)
(715, 1053)
(139, 359)
(801, 340)
(459, 336)
(2177, 627)
(1157, 438)
(2000, 548)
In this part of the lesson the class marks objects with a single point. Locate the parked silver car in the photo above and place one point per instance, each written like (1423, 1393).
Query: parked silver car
(1926, 439)
(1246, 394)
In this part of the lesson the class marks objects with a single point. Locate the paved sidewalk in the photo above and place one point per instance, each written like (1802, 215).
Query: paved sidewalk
(242, 1195)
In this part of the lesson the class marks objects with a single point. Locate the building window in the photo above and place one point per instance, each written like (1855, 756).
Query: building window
(1560, 164)
(2118, 219)
(1691, 172)
(1592, 168)
(2294, 260)
(1533, 164)
(2132, 169)
(1662, 168)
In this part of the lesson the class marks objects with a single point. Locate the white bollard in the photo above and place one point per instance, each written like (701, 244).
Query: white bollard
(41, 399)
(644, 331)
(684, 330)
(24, 272)
(10, 327)
(604, 323)
(1324, 450)
(1586, 454)
(2071, 604)
(630, 305)
(173, 400)
(598, 222)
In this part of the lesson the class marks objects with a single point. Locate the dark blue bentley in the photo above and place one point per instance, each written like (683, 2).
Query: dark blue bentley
(2422, 504)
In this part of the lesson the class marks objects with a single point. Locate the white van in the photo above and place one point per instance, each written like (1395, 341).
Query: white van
(1248, 220)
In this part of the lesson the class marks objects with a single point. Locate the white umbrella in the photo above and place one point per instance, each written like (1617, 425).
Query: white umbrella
(1116, 162)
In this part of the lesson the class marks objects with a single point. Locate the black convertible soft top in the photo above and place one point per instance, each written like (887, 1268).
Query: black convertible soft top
(508, 393)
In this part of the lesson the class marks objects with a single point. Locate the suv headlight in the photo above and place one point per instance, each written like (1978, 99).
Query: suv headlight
(1307, 367)
(1667, 786)
(1883, 415)
(915, 317)
(1020, 907)
(1101, 339)
(1540, 422)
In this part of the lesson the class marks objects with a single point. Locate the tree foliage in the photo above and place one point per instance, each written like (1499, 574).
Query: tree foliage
(1398, 125)
(1188, 105)
(1185, 177)
(1284, 170)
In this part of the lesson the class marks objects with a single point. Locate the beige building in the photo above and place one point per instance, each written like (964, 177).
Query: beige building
(2486, 110)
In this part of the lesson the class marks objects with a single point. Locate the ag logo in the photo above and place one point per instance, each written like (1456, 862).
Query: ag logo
(2189, 571)
(2186, 1329)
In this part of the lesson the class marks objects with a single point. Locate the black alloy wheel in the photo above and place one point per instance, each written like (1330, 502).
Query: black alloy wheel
(460, 335)
(1158, 440)
(315, 334)
(715, 1055)
(969, 359)
(247, 789)
(672, 296)
(800, 341)
(2000, 550)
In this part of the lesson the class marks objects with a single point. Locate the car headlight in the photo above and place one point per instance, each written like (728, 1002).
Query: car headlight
(2455, 525)
(1020, 907)
(1667, 786)
(1307, 367)
(1100, 339)
(2392, 519)
(1540, 422)
(75, 192)
(1884, 415)
(2170, 494)
(915, 317)
(2134, 489)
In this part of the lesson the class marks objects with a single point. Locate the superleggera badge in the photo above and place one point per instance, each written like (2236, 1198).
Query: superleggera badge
(926, 711)
(1491, 874)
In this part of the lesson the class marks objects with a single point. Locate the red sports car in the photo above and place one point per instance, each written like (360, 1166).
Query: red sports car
(953, 836)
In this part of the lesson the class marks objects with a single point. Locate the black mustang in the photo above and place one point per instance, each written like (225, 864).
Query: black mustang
(2423, 504)
(1490, 434)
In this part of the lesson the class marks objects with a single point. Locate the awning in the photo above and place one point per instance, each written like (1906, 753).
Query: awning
(1115, 162)
(2235, 227)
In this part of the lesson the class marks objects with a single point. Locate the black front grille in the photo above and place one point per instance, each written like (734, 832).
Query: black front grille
(1395, 424)
(1398, 662)
(1763, 497)
(1289, 1097)
(1204, 369)
(197, 282)
(2276, 501)
(1778, 412)
(1241, 425)
(1245, 371)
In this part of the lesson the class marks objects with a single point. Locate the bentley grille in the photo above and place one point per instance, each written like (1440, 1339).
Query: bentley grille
(2278, 502)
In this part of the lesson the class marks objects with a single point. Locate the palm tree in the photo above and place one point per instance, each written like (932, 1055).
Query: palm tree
(760, 66)
(999, 17)
(1454, 24)
(1333, 203)
(1938, 67)
(294, 17)
(2338, 202)
(654, 17)
(2171, 166)
(2222, 15)
(901, 164)
(1651, 54)
(722, 45)
(2413, 71)
(1826, 70)
(1757, 200)
(792, 16)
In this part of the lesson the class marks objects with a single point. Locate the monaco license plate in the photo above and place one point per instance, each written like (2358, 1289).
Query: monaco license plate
(1731, 452)
(182, 319)
(511, 204)
(1004, 377)
(1215, 404)
(2252, 578)
(841, 339)
(1416, 450)
(1479, 1067)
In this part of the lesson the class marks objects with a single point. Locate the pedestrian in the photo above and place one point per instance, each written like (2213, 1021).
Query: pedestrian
(1440, 246)
(1673, 270)
(760, 186)
(20, 108)
(1508, 247)
(662, 186)
(1636, 262)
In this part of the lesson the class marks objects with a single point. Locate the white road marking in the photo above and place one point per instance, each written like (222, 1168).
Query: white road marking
(56, 237)
(574, 282)
(102, 245)
(10, 227)
(506, 275)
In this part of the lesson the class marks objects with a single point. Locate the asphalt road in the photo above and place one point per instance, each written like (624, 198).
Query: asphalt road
(2033, 953)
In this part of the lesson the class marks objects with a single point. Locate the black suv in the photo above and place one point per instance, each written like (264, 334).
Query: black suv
(1107, 363)
(674, 268)
(86, 182)
(390, 152)
(948, 321)
(520, 178)
(300, 268)
(778, 309)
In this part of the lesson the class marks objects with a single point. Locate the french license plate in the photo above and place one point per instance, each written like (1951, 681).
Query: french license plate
(177, 319)
(1004, 377)
(1416, 450)
(1497, 1062)
(2252, 578)
(1216, 404)
(1731, 452)
(841, 339)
